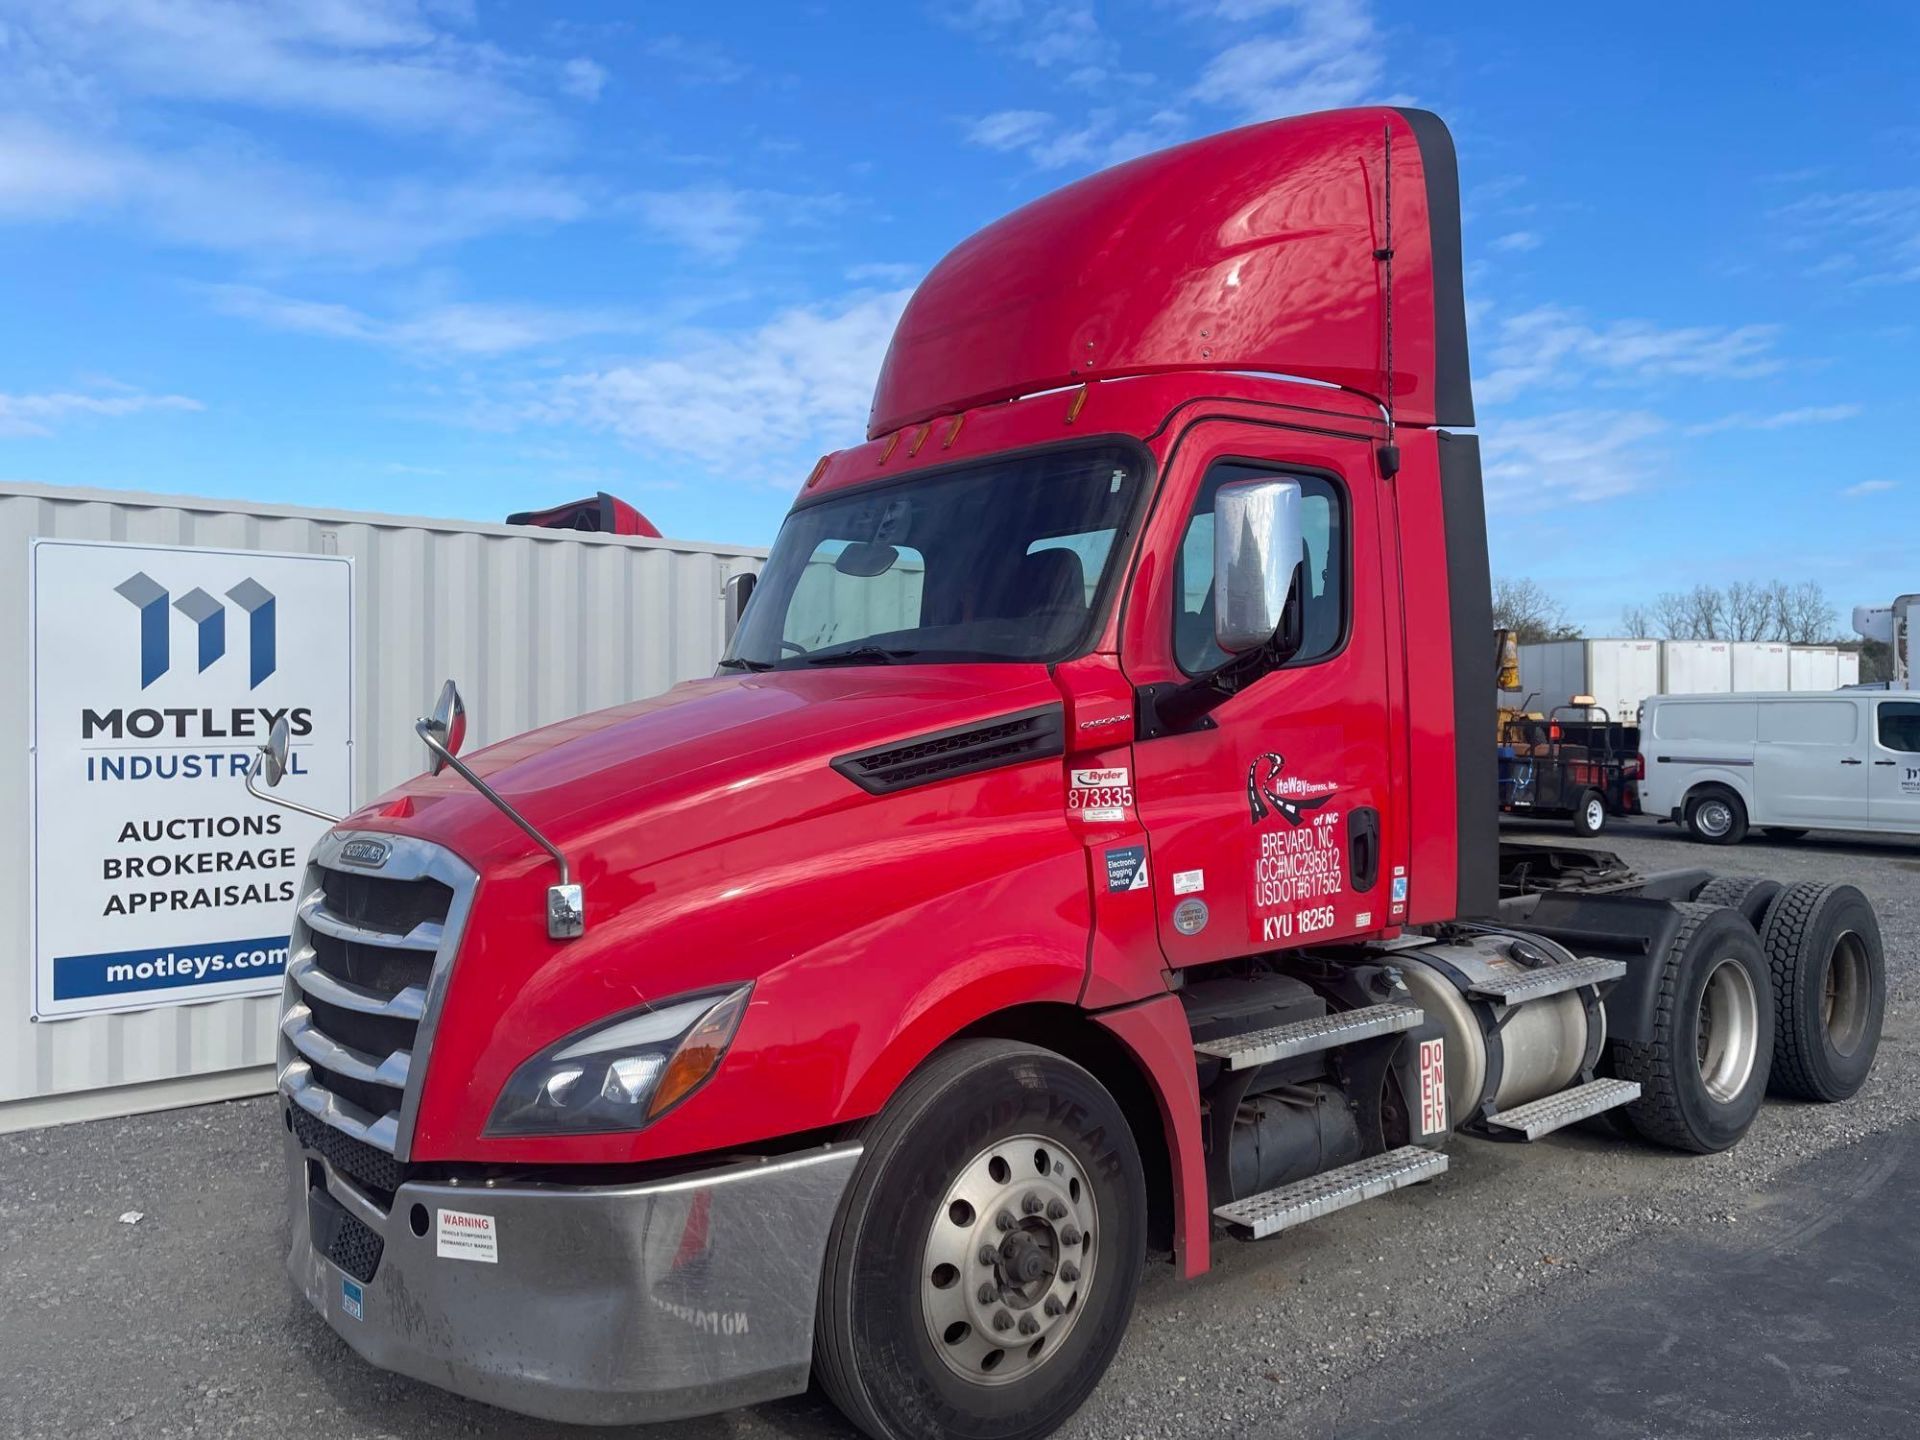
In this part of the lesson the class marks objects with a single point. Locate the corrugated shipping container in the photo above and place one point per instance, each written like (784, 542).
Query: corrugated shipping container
(536, 625)
(1696, 667)
(1760, 665)
(1619, 674)
(1814, 667)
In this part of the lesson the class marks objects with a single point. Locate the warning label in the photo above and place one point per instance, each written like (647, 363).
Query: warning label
(464, 1236)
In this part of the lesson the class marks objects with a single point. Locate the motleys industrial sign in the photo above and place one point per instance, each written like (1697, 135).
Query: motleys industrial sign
(156, 674)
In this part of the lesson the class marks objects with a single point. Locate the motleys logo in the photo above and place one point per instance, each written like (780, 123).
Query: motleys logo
(209, 617)
(1270, 791)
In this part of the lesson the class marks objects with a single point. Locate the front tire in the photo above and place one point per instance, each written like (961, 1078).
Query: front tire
(1829, 971)
(1716, 816)
(999, 1168)
(1704, 1073)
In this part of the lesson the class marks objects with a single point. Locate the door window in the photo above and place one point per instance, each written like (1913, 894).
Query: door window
(1324, 530)
(1900, 725)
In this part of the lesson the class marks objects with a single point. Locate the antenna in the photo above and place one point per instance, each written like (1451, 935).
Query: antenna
(1389, 453)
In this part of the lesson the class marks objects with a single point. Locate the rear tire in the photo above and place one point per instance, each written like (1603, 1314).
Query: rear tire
(1590, 816)
(1829, 972)
(1751, 895)
(907, 1342)
(1704, 1073)
(1716, 816)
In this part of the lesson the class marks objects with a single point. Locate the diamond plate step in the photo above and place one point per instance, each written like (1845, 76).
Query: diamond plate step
(1272, 1211)
(1304, 1037)
(1555, 1112)
(1524, 985)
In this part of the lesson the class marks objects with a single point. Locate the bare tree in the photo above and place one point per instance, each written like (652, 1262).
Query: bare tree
(1806, 617)
(1525, 606)
(1637, 623)
(1745, 610)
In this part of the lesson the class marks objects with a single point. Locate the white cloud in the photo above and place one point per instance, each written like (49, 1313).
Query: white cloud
(802, 381)
(1875, 232)
(390, 64)
(1328, 55)
(38, 415)
(1553, 347)
(691, 62)
(716, 220)
(1778, 419)
(233, 199)
(1869, 487)
(462, 329)
(1572, 456)
(583, 79)
(1518, 241)
(1010, 129)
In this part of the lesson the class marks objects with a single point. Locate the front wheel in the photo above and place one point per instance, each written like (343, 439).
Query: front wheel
(984, 1264)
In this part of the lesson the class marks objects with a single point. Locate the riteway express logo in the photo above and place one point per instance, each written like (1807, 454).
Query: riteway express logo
(209, 618)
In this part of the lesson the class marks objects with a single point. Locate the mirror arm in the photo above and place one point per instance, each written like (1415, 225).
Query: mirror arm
(424, 728)
(253, 774)
(1178, 708)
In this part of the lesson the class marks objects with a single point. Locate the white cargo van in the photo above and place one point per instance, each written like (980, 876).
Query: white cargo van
(1789, 762)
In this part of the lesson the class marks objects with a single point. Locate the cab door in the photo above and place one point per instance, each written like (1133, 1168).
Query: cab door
(1270, 821)
(1894, 801)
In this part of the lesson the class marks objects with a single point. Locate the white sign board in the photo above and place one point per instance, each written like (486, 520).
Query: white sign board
(156, 672)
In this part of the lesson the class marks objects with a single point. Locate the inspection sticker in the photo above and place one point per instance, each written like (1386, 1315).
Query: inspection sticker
(461, 1236)
(1127, 868)
(352, 1298)
(1189, 882)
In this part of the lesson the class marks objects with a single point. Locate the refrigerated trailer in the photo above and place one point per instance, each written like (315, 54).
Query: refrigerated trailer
(1617, 674)
(1126, 884)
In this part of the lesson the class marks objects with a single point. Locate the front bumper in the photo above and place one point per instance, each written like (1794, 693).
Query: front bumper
(603, 1304)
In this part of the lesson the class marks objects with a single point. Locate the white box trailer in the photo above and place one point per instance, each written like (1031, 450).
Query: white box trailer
(1696, 667)
(129, 612)
(1619, 674)
(1761, 665)
(1849, 668)
(1814, 667)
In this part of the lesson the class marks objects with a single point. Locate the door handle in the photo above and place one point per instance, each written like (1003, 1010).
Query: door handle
(1886, 762)
(1852, 762)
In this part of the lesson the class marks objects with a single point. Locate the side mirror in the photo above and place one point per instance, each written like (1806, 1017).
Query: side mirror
(274, 752)
(1256, 549)
(448, 725)
(735, 591)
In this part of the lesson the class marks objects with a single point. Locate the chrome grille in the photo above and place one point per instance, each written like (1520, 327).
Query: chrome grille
(367, 968)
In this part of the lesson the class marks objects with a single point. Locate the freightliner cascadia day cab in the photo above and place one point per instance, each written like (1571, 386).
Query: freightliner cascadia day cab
(1085, 853)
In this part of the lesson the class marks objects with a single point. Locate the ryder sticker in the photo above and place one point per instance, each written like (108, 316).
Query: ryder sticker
(1104, 794)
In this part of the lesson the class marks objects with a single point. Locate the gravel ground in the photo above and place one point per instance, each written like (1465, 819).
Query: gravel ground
(183, 1324)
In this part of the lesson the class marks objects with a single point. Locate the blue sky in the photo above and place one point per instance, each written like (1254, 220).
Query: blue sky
(465, 258)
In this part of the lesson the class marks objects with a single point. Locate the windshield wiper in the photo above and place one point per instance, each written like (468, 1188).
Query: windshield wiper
(739, 663)
(860, 655)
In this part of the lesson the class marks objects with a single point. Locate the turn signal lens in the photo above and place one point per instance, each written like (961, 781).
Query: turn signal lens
(699, 1054)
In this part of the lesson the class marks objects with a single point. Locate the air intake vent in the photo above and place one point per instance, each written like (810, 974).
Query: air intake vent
(986, 745)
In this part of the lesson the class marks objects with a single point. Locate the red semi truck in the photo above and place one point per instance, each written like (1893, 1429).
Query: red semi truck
(1086, 851)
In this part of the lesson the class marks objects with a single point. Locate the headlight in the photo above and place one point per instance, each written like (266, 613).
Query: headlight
(623, 1073)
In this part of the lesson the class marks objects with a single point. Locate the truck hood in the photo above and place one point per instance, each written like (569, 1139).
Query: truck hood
(709, 755)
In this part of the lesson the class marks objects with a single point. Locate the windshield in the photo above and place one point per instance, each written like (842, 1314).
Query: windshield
(1002, 561)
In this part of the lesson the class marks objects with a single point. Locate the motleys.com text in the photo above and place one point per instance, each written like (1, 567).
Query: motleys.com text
(199, 967)
(170, 967)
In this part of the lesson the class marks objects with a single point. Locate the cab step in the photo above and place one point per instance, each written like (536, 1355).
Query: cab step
(1304, 1037)
(1556, 1112)
(1271, 1211)
(1519, 986)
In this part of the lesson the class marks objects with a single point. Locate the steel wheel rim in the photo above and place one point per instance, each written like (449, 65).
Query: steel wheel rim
(1596, 814)
(1844, 990)
(1715, 817)
(1728, 1030)
(1010, 1256)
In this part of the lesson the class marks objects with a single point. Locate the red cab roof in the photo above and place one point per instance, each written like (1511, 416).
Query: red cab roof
(1255, 250)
